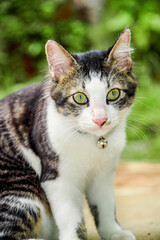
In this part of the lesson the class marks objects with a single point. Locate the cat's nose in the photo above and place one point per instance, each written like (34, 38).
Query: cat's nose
(100, 122)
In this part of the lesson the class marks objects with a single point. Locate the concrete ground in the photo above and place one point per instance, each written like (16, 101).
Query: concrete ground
(137, 190)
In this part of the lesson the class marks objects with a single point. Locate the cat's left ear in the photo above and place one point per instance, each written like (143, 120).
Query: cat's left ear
(59, 60)
(120, 53)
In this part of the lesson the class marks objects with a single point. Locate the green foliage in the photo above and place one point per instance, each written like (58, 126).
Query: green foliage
(25, 26)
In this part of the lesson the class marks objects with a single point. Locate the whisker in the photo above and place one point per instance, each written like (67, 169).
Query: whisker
(131, 128)
(142, 117)
(135, 132)
(143, 104)
(142, 97)
(141, 133)
(145, 124)
(69, 136)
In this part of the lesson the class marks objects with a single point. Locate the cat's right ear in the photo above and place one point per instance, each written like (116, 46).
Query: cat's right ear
(120, 53)
(59, 60)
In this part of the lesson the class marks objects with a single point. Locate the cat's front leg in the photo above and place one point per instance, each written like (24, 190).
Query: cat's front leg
(66, 202)
(100, 196)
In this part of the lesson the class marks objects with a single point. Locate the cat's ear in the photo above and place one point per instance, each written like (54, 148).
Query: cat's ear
(120, 53)
(59, 60)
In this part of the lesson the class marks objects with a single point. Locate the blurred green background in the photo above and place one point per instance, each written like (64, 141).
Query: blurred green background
(81, 25)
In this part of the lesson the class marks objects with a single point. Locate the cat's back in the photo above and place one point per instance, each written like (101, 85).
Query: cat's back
(19, 101)
(21, 195)
(17, 111)
(16, 121)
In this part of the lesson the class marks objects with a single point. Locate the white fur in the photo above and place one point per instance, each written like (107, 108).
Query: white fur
(47, 223)
(32, 159)
(82, 166)
(2, 234)
(122, 51)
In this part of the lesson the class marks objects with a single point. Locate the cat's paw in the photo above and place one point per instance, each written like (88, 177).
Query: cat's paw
(122, 235)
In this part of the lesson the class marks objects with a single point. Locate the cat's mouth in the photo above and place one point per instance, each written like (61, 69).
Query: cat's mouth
(100, 132)
(97, 131)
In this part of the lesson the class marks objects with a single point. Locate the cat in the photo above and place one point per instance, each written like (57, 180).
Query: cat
(61, 139)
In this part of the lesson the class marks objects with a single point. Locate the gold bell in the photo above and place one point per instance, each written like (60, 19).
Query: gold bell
(102, 143)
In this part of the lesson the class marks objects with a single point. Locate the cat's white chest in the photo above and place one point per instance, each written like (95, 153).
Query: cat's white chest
(83, 154)
(81, 162)
(79, 157)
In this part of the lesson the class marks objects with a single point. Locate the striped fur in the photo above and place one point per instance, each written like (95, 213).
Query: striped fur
(21, 193)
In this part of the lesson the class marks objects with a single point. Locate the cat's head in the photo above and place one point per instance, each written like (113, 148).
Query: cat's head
(95, 89)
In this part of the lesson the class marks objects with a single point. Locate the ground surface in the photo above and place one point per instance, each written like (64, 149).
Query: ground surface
(137, 190)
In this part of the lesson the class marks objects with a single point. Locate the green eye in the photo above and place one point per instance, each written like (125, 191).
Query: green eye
(80, 98)
(113, 94)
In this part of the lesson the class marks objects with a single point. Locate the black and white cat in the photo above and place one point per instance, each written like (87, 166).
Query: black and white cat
(61, 139)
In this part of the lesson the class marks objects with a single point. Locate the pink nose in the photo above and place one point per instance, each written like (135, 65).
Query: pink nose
(100, 122)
